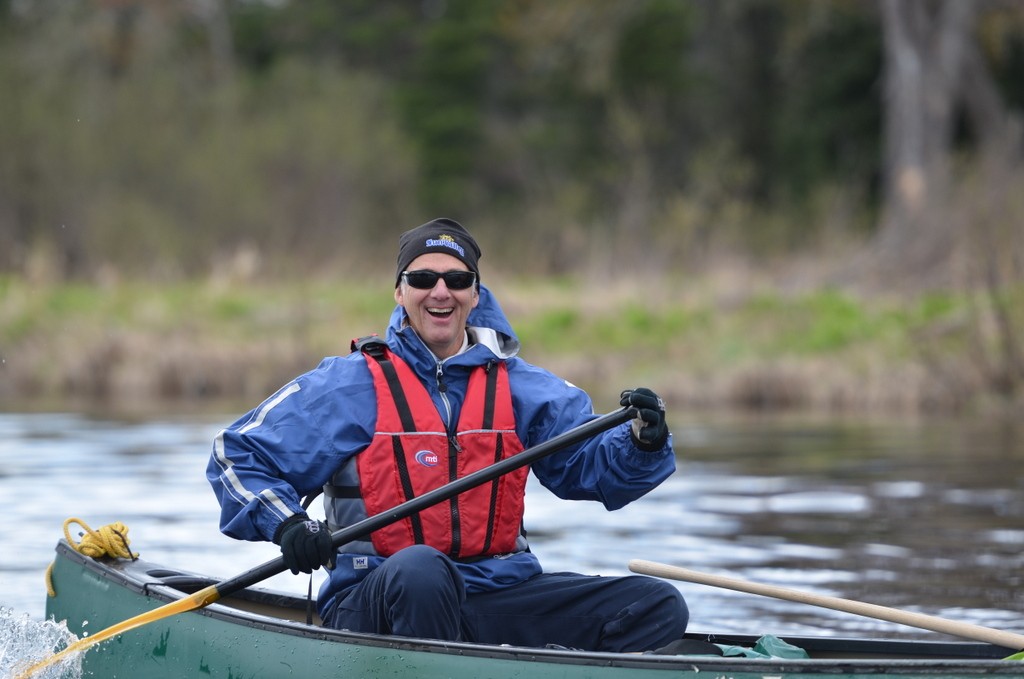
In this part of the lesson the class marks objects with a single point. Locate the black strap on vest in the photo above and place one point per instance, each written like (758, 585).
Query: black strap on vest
(492, 387)
(373, 346)
(499, 449)
(403, 475)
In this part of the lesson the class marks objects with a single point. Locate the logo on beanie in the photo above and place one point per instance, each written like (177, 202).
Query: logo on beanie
(446, 241)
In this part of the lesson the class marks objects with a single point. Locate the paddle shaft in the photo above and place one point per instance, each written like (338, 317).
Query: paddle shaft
(920, 620)
(445, 492)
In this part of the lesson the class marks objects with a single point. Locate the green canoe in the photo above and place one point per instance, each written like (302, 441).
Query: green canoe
(259, 633)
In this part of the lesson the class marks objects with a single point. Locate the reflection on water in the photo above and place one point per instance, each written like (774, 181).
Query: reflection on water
(922, 517)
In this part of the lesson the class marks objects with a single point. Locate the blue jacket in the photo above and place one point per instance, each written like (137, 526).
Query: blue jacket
(291, 445)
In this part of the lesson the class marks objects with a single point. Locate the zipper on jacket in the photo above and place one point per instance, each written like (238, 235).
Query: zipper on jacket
(453, 473)
(441, 386)
(442, 390)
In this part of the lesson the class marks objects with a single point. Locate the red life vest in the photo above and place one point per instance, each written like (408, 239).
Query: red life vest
(412, 453)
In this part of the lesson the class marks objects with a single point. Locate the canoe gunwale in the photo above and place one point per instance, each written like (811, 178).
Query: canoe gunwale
(944, 658)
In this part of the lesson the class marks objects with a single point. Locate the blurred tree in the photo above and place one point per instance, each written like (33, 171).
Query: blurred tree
(607, 133)
(936, 77)
(379, 36)
(828, 119)
(444, 101)
(651, 130)
(925, 46)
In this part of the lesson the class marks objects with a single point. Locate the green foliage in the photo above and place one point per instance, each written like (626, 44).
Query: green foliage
(934, 305)
(234, 308)
(637, 326)
(224, 330)
(29, 315)
(557, 330)
(834, 321)
(73, 299)
(819, 323)
(628, 327)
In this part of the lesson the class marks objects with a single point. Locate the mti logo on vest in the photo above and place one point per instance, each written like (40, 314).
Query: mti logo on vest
(427, 458)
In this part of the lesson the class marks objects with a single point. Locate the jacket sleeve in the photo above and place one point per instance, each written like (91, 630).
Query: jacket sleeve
(289, 446)
(607, 468)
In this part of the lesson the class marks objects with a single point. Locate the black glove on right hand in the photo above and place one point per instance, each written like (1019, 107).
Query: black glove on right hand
(649, 430)
(305, 544)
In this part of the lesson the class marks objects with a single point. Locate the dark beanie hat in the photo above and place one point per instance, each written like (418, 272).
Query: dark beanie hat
(442, 235)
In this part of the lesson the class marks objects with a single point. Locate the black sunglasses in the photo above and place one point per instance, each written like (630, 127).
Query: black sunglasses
(426, 279)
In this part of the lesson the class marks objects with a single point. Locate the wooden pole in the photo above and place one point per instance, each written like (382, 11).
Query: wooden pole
(929, 622)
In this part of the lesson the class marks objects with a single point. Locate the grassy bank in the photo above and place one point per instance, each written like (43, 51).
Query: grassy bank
(191, 344)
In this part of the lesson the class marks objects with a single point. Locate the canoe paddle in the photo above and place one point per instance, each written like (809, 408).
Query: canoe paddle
(920, 620)
(215, 592)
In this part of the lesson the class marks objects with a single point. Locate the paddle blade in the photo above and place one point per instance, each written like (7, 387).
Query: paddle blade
(202, 598)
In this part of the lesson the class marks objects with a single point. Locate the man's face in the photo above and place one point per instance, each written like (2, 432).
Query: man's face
(438, 315)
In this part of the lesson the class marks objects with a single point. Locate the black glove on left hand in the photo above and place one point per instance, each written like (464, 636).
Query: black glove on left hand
(650, 432)
(305, 544)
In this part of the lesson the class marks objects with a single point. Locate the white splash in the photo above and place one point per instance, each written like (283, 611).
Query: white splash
(24, 642)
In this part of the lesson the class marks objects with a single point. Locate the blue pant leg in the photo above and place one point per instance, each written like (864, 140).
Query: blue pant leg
(416, 592)
(655, 614)
(618, 614)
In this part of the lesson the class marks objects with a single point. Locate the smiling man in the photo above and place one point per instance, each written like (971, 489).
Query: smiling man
(445, 394)
(438, 307)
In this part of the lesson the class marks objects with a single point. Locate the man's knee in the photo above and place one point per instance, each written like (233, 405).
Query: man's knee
(668, 615)
(672, 607)
(420, 571)
(655, 615)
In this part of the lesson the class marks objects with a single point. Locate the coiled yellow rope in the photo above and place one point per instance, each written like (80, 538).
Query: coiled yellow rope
(110, 540)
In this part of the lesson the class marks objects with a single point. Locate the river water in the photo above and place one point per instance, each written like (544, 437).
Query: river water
(925, 517)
